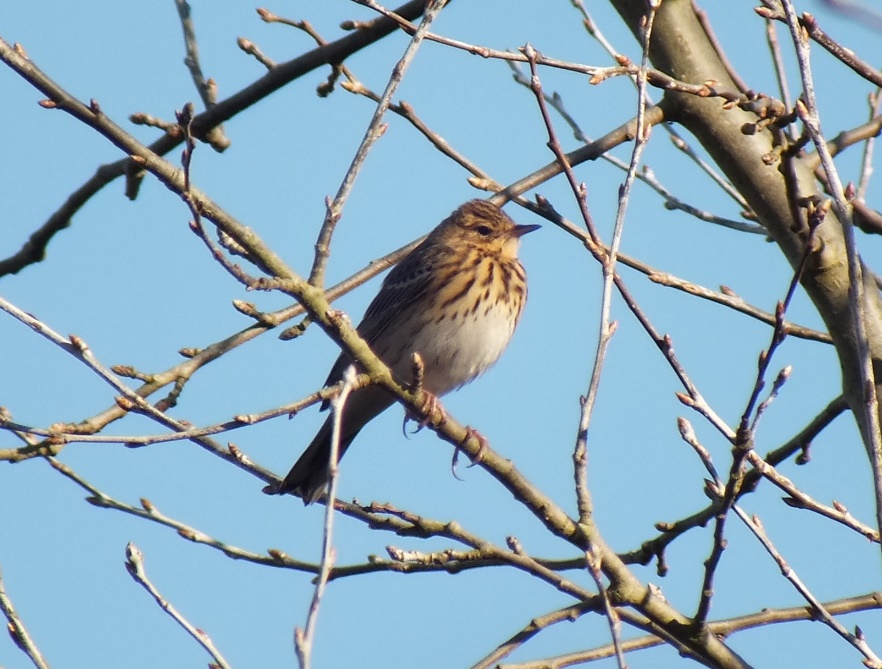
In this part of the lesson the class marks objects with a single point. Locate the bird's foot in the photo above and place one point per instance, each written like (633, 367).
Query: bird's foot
(424, 415)
(482, 448)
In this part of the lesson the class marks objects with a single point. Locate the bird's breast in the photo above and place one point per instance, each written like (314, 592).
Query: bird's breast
(468, 325)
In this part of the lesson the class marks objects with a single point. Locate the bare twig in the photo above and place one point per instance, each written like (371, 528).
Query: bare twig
(863, 133)
(612, 615)
(722, 628)
(780, 70)
(149, 511)
(875, 100)
(373, 132)
(377, 517)
(580, 454)
(706, 26)
(406, 523)
(655, 78)
(821, 613)
(744, 438)
(536, 625)
(716, 487)
(135, 567)
(655, 548)
(35, 248)
(782, 10)
(206, 88)
(129, 400)
(731, 300)
(646, 175)
(303, 638)
(799, 500)
(675, 136)
(18, 631)
(693, 398)
(808, 113)
(200, 358)
(61, 433)
(253, 50)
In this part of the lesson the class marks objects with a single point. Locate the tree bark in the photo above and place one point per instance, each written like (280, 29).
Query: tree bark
(776, 191)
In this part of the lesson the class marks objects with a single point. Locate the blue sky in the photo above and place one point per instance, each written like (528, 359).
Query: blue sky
(136, 285)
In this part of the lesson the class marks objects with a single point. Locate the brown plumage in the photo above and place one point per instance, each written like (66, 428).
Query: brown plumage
(455, 299)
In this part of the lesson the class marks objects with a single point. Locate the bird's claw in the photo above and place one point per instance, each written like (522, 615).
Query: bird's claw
(482, 448)
(404, 423)
(424, 415)
(453, 464)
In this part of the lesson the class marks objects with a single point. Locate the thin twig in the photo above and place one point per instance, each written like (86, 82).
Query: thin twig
(782, 10)
(303, 638)
(866, 392)
(780, 71)
(406, 523)
(373, 132)
(846, 138)
(821, 613)
(406, 111)
(378, 518)
(745, 435)
(646, 175)
(721, 628)
(799, 500)
(655, 78)
(594, 558)
(254, 51)
(18, 631)
(206, 88)
(875, 100)
(149, 511)
(693, 398)
(731, 300)
(196, 360)
(60, 433)
(34, 249)
(129, 400)
(717, 488)
(675, 136)
(135, 567)
(536, 625)
(580, 453)
(799, 443)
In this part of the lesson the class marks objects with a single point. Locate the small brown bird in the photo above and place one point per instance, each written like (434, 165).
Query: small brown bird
(455, 299)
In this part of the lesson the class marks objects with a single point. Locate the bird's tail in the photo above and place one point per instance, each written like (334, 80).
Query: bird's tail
(309, 475)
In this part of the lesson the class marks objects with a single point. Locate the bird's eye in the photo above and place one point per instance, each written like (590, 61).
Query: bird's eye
(483, 230)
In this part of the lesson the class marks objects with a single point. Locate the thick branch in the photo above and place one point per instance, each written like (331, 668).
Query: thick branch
(778, 184)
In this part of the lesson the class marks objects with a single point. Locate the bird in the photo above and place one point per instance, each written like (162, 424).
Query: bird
(455, 300)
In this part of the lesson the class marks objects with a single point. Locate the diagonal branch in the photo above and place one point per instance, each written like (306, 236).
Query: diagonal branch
(135, 567)
(284, 73)
(17, 630)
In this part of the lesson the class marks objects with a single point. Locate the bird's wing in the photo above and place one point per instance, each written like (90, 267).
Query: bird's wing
(408, 282)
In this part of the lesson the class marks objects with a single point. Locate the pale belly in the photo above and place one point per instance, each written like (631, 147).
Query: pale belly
(456, 351)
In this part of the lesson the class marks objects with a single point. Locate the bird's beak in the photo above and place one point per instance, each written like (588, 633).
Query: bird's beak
(521, 230)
